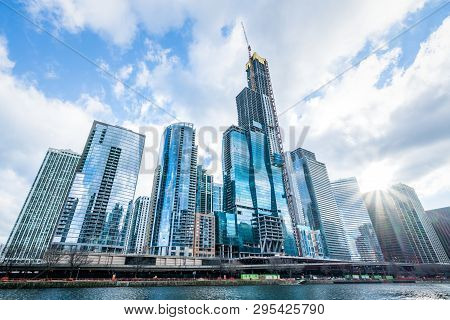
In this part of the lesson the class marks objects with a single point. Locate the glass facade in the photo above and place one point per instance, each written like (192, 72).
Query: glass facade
(440, 220)
(33, 230)
(253, 190)
(403, 229)
(139, 226)
(204, 197)
(97, 210)
(227, 239)
(315, 205)
(310, 239)
(174, 192)
(217, 197)
(361, 238)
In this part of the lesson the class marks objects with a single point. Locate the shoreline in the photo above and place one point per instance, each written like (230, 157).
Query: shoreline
(39, 284)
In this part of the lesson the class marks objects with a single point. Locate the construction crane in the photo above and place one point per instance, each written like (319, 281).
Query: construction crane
(250, 62)
(246, 40)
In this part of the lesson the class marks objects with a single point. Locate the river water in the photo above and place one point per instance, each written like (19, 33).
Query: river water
(275, 292)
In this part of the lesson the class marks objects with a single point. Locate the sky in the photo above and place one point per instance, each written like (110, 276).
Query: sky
(384, 121)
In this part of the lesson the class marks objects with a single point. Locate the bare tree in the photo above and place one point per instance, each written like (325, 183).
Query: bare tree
(139, 263)
(51, 258)
(77, 259)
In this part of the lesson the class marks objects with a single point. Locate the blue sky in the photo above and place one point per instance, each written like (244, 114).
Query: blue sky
(384, 121)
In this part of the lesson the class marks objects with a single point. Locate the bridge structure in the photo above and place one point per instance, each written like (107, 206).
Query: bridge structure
(103, 266)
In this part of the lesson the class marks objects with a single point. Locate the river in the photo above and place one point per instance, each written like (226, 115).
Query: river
(275, 292)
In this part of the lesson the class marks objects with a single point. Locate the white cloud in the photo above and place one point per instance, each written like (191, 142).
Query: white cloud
(30, 123)
(395, 133)
(125, 72)
(5, 64)
(113, 19)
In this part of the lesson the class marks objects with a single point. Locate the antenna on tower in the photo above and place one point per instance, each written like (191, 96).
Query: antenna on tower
(246, 39)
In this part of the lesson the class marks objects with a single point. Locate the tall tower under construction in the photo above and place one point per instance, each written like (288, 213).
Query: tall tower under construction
(253, 168)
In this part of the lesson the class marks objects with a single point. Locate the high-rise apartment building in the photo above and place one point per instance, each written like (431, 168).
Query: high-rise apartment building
(33, 230)
(96, 213)
(204, 235)
(359, 232)
(402, 227)
(217, 197)
(204, 197)
(139, 226)
(440, 220)
(174, 192)
(315, 206)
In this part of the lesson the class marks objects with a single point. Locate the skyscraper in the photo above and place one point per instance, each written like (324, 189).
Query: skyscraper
(204, 195)
(253, 190)
(440, 220)
(33, 230)
(257, 103)
(314, 203)
(253, 150)
(217, 197)
(97, 210)
(174, 192)
(139, 226)
(360, 234)
(403, 229)
(310, 240)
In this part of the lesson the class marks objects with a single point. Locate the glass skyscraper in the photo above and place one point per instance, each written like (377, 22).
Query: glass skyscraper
(97, 210)
(361, 238)
(204, 197)
(403, 229)
(254, 189)
(139, 226)
(315, 204)
(440, 220)
(310, 240)
(33, 230)
(174, 192)
(217, 197)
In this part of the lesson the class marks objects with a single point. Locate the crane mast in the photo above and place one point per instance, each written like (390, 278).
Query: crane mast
(250, 62)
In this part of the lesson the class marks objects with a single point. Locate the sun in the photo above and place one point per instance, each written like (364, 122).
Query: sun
(376, 176)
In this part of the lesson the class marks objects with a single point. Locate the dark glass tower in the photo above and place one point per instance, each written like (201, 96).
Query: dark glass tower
(254, 188)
